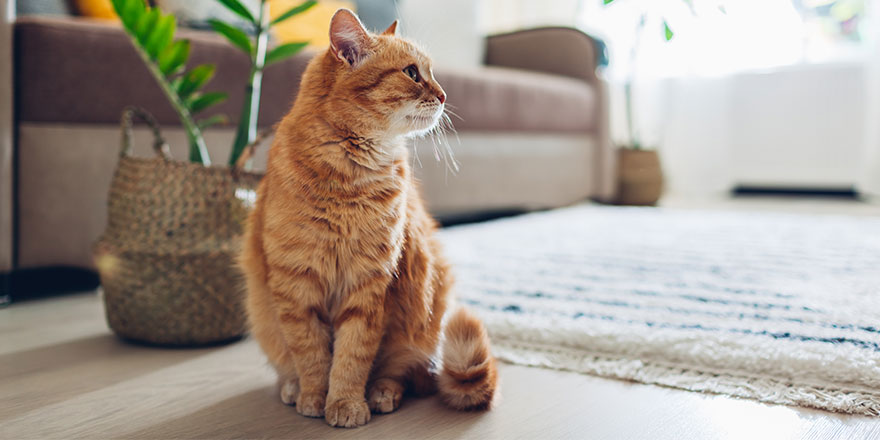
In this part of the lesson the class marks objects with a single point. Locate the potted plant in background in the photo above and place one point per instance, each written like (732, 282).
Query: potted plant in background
(152, 32)
(639, 170)
(256, 49)
(166, 258)
(152, 35)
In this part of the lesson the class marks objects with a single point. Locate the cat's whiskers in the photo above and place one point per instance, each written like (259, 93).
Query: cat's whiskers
(412, 120)
(449, 109)
(416, 158)
(434, 143)
(444, 125)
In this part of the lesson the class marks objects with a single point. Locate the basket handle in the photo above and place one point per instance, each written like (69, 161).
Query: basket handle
(248, 153)
(159, 144)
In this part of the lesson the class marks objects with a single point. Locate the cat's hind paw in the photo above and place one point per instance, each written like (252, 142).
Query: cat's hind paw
(289, 391)
(310, 405)
(385, 395)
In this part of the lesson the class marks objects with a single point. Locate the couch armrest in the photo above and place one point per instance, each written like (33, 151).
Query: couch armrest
(567, 52)
(556, 50)
(7, 155)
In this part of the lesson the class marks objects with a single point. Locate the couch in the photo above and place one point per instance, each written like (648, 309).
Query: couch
(533, 127)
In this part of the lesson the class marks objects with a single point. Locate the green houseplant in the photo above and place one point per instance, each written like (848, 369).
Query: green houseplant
(256, 49)
(167, 256)
(152, 34)
(639, 172)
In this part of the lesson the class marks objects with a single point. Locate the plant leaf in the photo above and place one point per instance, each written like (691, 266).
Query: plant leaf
(240, 9)
(212, 120)
(235, 35)
(152, 35)
(161, 35)
(145, 24)
(722, 9)
(195, 79)
(204, 100)
(121, 8)
(129, 11)
(667, 32)
(690, 5)
(305, 6)
(283, 51)
(608, 1)
(174, 57)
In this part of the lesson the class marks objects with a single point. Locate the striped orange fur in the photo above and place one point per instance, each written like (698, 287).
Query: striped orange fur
(346, 284)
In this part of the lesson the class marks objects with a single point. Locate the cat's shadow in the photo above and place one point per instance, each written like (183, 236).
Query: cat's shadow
(259, 413)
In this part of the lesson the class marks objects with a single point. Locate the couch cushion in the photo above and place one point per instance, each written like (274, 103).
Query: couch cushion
(501, 99)
(76, 70)
(81, 71)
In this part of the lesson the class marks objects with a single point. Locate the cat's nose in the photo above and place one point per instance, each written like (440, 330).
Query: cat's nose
(441, 96)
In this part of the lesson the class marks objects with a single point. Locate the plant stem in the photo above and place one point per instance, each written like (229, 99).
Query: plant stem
(198, 152)
(627, 88)
(627, 97)
(250, 112)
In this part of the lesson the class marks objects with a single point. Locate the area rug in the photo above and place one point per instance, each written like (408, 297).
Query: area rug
(775, 307)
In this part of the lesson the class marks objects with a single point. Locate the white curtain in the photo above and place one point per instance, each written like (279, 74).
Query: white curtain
(498, 16)
(700, 98)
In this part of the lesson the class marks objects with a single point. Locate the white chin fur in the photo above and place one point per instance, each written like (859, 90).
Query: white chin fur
(418, 126)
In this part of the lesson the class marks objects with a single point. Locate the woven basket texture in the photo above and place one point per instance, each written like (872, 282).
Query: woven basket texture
(167, 257)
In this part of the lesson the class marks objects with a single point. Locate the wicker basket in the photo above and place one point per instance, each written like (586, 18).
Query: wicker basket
(166, 259)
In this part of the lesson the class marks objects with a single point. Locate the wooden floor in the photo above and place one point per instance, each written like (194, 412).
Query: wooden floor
(64, 375)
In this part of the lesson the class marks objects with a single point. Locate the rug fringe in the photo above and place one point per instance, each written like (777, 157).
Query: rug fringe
(763, 389)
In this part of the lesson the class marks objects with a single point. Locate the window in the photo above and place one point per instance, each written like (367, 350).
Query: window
(711, 37)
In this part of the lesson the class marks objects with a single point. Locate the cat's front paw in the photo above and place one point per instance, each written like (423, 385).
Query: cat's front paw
(347, 413)
(385, 395)
(310, 404)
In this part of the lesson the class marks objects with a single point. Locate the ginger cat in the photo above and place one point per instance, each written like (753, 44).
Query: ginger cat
(347, 286)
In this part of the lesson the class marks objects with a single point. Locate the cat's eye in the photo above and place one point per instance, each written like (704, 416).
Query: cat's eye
(413, 72)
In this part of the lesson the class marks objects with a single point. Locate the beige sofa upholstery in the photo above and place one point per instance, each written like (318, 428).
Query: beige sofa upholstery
(533, 127)
(574, 54)
(7, 194)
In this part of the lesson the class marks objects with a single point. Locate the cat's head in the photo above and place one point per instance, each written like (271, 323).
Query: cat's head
(385, 80)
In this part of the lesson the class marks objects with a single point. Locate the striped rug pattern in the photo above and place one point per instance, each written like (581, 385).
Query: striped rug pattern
(775, 307)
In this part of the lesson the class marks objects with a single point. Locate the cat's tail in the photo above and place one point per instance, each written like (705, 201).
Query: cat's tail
(469, 377)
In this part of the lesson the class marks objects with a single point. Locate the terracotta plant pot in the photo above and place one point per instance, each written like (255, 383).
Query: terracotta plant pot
(639, 177)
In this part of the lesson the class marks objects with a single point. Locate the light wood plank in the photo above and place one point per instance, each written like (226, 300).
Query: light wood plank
(91, 385)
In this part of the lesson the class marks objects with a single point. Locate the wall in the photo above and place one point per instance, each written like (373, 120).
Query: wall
(869, 173)
(789, 127)
(799, 126)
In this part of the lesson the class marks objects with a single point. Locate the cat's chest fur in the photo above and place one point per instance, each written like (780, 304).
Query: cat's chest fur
(370, 241)
(372, 229)
(345, 232)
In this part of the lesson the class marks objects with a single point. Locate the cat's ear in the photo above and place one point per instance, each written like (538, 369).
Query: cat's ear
(392, 30)
(349, 40)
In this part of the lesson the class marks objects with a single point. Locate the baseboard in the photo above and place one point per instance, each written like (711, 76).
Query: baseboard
(5, 297)
(461, 219)
(837, 192)
(29, 284)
